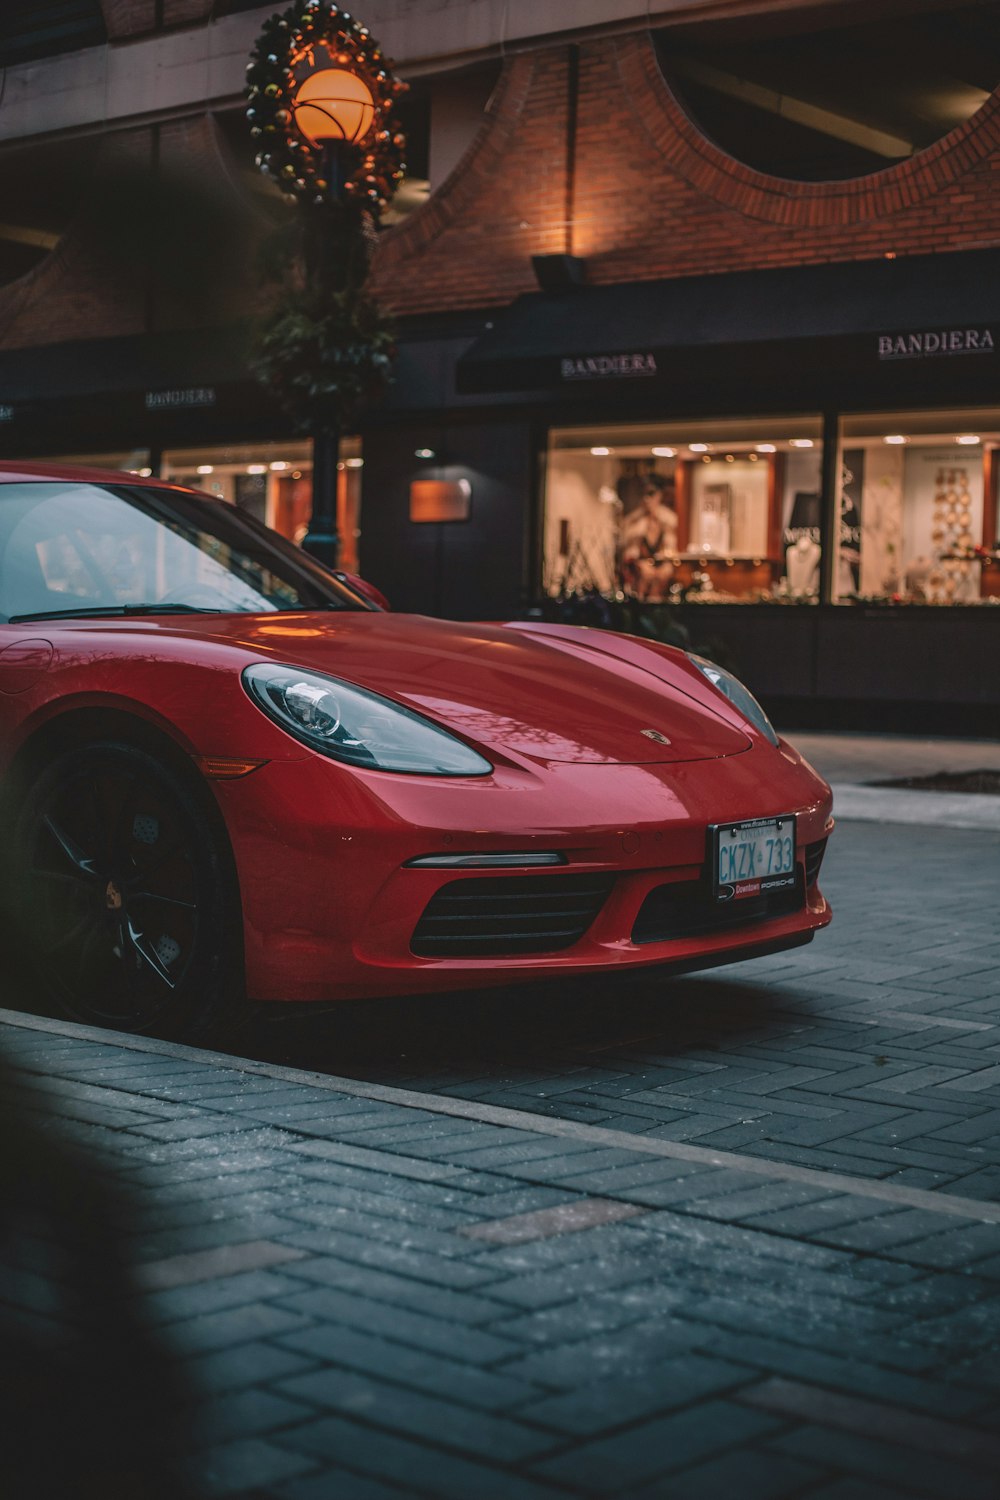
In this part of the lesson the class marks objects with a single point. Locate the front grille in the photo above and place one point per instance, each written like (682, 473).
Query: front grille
(686, 909)
(814, 858)
(508, 915)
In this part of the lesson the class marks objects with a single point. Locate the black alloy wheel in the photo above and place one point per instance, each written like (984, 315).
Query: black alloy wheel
(124, 894)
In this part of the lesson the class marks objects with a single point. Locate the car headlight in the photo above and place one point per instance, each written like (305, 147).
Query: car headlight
(350, 724)
(739, 696)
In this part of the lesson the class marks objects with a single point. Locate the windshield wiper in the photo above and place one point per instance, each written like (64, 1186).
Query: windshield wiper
(108, 611)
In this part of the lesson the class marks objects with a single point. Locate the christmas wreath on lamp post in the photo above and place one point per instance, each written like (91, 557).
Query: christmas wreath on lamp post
(321, 106)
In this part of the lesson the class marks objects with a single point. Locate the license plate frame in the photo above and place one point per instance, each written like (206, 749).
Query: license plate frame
(743, 844)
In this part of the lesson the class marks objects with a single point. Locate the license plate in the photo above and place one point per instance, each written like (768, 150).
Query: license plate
(752, 858)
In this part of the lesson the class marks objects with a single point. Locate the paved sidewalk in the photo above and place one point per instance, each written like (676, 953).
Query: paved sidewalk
(368, 1293)
(850, 762)
(854, 759)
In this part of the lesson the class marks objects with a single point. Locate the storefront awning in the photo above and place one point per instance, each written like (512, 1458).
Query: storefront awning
(128, 391)
(139, 362)
(861, 315)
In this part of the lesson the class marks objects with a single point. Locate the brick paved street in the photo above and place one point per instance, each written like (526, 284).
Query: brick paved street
(735, 1235)
(367, 1298)
(873, 1052)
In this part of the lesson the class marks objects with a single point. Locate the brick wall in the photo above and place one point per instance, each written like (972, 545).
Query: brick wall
(77, 292)
(95, 284)
(654, 198)
(128, 17)
(125, 18)
(190, 12)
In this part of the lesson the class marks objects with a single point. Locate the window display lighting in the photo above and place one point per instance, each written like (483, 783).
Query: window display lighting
(733, 518)
(663, 517)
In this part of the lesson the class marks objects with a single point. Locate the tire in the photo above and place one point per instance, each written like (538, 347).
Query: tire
(125, 896)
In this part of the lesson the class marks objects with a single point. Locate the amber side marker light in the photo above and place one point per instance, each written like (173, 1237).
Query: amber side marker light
(222, 768)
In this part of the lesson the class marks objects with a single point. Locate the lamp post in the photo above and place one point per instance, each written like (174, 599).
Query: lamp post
(321, 103)
(333, 110)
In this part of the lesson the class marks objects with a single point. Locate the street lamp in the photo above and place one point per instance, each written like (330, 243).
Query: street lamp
(334, 110)
(333, 107)
(321, 100)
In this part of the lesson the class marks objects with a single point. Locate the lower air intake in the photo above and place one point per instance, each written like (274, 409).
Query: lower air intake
(686, 909)
(499, 916)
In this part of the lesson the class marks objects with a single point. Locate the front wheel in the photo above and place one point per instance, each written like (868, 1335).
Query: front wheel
(124, 894)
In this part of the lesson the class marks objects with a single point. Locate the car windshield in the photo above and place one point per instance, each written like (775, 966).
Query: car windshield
(70, 549)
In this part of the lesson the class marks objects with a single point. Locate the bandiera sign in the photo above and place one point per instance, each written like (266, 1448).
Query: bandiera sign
(604, 366)
(935, 342)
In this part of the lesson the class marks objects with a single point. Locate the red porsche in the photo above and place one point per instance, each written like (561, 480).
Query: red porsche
(227, 772)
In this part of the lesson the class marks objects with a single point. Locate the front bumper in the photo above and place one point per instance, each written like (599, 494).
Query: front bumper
(330, 908)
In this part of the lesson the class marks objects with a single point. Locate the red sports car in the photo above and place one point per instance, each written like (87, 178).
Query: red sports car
(227, 772)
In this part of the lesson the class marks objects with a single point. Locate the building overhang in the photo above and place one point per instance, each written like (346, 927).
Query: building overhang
(150, 389)
(891, 324)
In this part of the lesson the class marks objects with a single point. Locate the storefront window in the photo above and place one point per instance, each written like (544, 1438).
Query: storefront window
(273, 481)
(717, 512)
(918, 508)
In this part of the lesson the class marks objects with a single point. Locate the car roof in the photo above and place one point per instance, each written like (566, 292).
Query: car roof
(11, 470)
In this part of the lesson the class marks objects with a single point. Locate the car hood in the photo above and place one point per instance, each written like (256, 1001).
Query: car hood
(541, 697)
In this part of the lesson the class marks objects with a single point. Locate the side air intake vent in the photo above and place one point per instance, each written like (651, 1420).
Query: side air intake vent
(509, 915)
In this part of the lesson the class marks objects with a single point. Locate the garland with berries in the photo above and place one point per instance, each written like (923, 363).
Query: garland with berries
(309, 35)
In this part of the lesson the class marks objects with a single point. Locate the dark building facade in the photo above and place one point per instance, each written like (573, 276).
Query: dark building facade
(699, 323)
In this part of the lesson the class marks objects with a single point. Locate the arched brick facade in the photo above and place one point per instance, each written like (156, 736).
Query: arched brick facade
(807, 205)
(79, 291)
(74, 293)
(653, 197)
(475, 237)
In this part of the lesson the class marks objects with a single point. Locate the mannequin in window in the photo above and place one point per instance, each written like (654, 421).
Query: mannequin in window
(650, 541)
(849, 554)
(802, 567)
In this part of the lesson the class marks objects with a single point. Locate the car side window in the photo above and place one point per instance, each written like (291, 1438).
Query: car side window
(68, 546)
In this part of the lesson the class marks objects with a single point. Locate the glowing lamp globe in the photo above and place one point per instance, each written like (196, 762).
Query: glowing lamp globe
(333, 105)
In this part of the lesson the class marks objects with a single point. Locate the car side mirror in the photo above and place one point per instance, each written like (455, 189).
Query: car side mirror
(368, 590)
